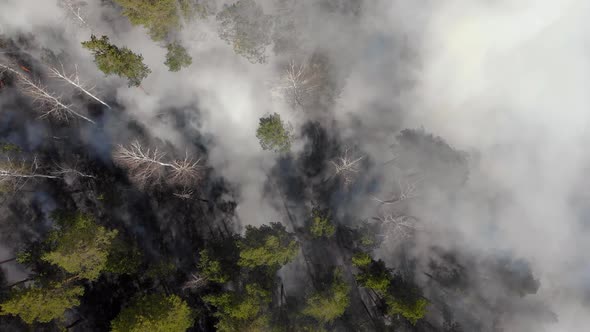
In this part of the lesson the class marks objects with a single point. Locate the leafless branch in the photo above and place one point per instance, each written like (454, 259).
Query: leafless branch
(16, 174)
(74, 10)
(347, 166)
(392, 160)
(147, 166)
(195, 282)
(400, 225)
(50, 104)
(74, 80)
(405, 190)
(62, 171)
(142, 165)
(298, 83)
(186, 193)
(185, 171)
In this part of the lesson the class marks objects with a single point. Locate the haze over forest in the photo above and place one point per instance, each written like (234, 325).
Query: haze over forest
(276, 165)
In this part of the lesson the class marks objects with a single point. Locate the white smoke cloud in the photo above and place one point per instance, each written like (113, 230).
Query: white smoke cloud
(511, 79)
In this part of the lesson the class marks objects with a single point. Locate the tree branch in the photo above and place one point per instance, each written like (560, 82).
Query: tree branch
(74, 80)
(55, 107)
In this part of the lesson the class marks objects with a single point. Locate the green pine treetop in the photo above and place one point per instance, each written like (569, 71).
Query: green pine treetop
(154, 313)
(159, 17)
(245, 26)
(412, 311)
(268, 245)
(326, 306)
(361, 259)
(321, 225)
(241, 311)
(80, 246)
(211, 268)
(274, 134)
(42, 303)
(177, 57)
(113, 60)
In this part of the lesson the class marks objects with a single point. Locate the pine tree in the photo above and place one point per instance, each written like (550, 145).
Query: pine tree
(270, 246)
(160, 17)
(245, 26)
(412, 311)
(177, 57)
(111, 59)
(401, 296)
(80, 246)
(211, 268)
(404, 298)
(321, 225)
(327, 305)
(42, 303)
(154, 313)
(241, 311)
(373, 274)
(274, 134)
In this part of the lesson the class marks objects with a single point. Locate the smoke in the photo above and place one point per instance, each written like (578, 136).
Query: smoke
(509, 80)
(505, 79)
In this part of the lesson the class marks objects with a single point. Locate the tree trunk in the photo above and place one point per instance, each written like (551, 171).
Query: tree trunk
(225, 227)
(20, 282)
(8, 260)
(368, 312)
(76, 322)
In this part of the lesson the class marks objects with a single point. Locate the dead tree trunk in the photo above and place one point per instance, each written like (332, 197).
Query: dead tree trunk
(74, 80)
(20, 282)
(148, 166)
(76, 322)
(51, 105)
(8, 260)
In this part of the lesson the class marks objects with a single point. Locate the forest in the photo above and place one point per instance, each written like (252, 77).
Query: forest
(252, 165)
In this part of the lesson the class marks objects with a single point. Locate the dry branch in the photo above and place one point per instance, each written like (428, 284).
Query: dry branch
(50, 104)
(405, 190)
(195, 282)
(74, 80)
(400, 225)
(185, 171)
(186, 193)
(74, 10)
(16, 174)
(148, 166)
(347, 166)
(299, 83)
(63, 171)
(142, 165)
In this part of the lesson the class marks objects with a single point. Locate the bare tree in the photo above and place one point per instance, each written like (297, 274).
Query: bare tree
(185, 171)
(50, 104)
(15, 174)
(74, 11)
(70, 171)
(186, 193)
(298, 83)
(399, 226)
(195, 282)
(73, 79)
(143, 164)
(148, 166)
(405, 190)
(347, 165)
